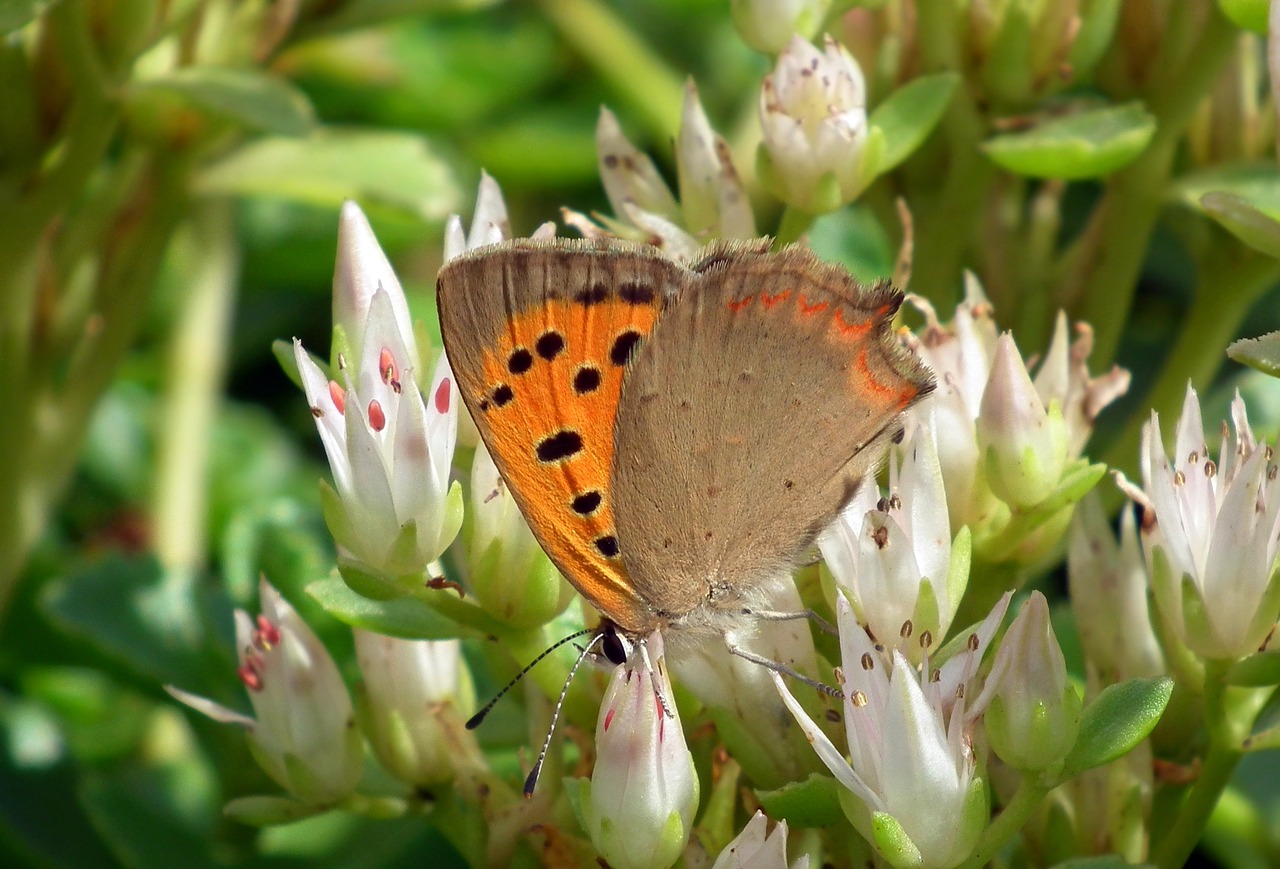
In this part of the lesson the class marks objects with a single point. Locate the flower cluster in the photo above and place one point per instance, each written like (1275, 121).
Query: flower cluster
(988, 477)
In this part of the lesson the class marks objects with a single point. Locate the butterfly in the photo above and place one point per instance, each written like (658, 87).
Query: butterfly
(677, 436)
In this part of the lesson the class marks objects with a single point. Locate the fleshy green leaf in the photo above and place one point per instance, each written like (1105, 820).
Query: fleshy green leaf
(1248, 14)
(362, 13)
(395, 170)
(1256, 671)
(910, 114)
(1117, 720)
(1254, 223)
(406, 617)
(248, 97)
(1262, 353)
(16, 14)
(1089, 144)
(814, 802)
(1105, 861)
(267, 811)
(128, 609)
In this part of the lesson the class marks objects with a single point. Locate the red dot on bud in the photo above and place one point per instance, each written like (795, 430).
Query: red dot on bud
(608, 719)
(377, 419)
(442, 396)
(338, 396)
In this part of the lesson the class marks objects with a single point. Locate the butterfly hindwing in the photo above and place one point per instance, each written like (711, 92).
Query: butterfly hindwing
(766, 391)
(539, 335)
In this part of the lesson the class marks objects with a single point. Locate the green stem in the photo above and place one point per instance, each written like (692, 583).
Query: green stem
(59, 394)
(951, 164)
(1229, 285)
(625, 62)
(1103, 269)
(197, 357)
(1219, 763)
(1008, 823)
(795, 222)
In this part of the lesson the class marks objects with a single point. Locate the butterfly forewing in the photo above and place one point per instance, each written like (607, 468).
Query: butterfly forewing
(766, 391)
(539, 335)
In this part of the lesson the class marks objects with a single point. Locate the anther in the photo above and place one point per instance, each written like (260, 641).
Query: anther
(1210, 469)
(377, 419)
(388, 369)
(895, 502)
(858, 699)
(926, 639)
(973, 643)
(249, 677)
(268, 633)
(1179, 478)
(868, 662)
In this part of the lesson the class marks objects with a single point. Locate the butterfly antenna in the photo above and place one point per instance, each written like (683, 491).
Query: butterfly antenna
(475, 720)
(532, 781)
(779, 667)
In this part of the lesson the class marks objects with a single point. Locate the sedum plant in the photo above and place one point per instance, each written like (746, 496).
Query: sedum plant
(1043, 632)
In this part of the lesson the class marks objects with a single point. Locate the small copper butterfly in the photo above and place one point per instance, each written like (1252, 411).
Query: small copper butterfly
(676, 436)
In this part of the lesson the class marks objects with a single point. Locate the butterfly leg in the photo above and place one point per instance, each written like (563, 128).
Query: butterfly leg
(779, 667)
(774, 616)
(653, 676)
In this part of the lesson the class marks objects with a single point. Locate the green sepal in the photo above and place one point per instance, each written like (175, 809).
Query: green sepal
(301, 781)
(269, 811)
(283, 351)
(369, 584)
(578, 790)
(925, 614)
(1097, 28)
(813, 802)
(1077, 480)
(339, 348)
(907, 117)
(1008, 72)
(335, 515)
(1090, 144)
(893, 843)
(959, 567)
(974, 816)
(1117, 720)
(451, 522)
(528, 600)
(402, 557)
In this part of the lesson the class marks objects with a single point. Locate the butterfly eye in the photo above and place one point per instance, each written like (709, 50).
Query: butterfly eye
(615, 650)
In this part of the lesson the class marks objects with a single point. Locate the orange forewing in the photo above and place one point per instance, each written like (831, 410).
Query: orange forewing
(551, 384)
